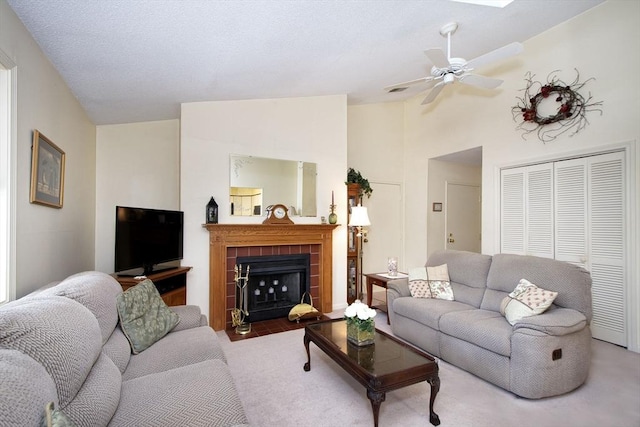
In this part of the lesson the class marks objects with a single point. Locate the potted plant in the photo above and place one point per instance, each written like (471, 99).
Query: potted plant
(355, 177)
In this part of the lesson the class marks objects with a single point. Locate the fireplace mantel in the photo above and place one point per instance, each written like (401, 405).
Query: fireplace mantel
(223, 236)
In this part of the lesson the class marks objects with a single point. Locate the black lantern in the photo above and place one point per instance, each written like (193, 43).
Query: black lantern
(212, 212)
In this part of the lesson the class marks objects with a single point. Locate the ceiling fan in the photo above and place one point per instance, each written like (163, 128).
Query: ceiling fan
(446, 69)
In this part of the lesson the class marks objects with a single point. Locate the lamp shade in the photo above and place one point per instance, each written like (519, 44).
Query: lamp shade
(359, 217)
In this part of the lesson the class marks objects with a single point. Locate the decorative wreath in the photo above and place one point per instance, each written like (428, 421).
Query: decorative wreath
(570, 113)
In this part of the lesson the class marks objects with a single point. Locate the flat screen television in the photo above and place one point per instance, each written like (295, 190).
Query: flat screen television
(146, 238)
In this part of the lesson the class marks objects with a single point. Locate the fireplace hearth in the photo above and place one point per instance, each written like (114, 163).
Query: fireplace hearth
(276, 283)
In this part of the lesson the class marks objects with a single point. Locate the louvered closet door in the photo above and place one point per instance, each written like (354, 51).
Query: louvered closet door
(583, 224)
(527, 211)
(539, 211)
(512, 208)
(606, 221)
(571, 211)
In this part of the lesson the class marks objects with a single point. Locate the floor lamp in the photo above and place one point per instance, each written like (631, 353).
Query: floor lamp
(359, 219)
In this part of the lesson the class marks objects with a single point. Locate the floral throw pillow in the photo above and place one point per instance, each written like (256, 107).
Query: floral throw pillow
(144, 316)
(55, 417)
(526, 300)
(418, 283)
(439, 282)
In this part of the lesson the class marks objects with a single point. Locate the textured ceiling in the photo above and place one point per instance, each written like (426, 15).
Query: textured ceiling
(137, 60)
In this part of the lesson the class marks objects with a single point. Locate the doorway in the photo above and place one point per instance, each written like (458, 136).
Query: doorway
(448, 178)
(463, 212)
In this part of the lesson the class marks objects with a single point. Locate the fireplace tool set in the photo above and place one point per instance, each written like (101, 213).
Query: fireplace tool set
(240, 312)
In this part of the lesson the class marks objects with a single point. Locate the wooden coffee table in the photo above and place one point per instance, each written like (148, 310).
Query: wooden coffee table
(386, 365)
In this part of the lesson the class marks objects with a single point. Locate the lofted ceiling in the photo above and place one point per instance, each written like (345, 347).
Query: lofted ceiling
(137, 60)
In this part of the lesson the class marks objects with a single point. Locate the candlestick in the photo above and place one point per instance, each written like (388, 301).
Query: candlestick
(332, 198)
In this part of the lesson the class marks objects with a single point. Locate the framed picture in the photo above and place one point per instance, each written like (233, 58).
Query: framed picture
(437, 207)
(47, 172)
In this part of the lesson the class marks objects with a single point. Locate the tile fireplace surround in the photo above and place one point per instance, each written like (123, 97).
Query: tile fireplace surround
(228, 241)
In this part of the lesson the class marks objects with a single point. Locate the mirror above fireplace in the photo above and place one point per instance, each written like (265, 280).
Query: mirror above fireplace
(258, 182)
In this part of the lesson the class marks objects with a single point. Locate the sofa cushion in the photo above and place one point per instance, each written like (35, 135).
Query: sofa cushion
(197, 395)
(418, 283)
(59, 333)
(176, 349)
(427, 310)
(25, 389)
(96, 291)
(118, 349)
(98, 398)
(572, 283)
(144, 316)
(526, 300)
(486, 329)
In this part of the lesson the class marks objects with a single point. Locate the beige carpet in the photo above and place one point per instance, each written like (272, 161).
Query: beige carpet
(276, 392)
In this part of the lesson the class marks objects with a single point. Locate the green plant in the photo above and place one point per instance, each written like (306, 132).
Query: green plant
(355, 177)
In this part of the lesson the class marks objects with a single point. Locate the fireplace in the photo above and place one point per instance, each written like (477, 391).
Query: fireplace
(276, 283)
(227, 242)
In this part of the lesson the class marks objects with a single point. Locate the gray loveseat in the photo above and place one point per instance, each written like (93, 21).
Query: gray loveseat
(539, 356)
(65, 345)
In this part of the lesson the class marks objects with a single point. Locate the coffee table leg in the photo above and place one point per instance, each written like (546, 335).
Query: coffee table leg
(376, 398)
(307, 366)
(435, 387)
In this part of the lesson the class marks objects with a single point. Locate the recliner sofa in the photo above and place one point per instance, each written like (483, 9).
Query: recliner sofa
(65, 345)
(539, 356)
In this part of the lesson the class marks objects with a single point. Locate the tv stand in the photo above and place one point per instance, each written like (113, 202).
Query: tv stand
(171, 283)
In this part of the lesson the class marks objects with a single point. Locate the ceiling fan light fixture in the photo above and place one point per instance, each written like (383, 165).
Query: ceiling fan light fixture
(448, 78)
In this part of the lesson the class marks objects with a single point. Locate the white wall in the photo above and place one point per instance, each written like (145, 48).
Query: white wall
(51, 243)
(310, 129)
(137, 165)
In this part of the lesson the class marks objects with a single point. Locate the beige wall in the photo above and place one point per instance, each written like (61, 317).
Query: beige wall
(51, 243)
(310, 129)
(137, 165)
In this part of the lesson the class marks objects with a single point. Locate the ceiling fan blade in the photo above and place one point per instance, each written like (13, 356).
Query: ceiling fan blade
(434, 92)
(496, 55)
(404, 85)
(480, 81)
(437, 57)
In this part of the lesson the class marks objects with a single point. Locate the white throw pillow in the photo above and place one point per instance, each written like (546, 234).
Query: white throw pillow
(526, 300)
(439, 282)
(418, 283)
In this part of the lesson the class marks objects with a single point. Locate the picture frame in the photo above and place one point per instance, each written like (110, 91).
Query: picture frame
(437, 206)
(47, 172)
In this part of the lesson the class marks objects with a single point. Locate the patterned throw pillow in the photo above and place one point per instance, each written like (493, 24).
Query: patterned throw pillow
(144, 317)
(418, 283)
(526, 300)
(55, 417)
(439, 282)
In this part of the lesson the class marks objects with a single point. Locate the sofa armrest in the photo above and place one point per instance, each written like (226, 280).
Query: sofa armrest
(400, 286)
(190, 317)
(557, 322)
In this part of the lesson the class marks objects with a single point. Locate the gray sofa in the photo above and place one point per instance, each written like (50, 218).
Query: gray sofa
(64, 345)
(539, 356)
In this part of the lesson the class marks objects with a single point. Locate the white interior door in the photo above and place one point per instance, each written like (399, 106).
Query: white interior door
(385, 236)
(463, 217)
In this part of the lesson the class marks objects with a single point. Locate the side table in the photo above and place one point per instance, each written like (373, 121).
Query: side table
(379, 279)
